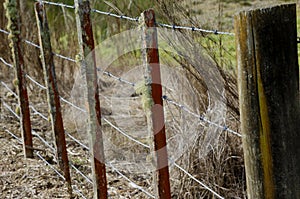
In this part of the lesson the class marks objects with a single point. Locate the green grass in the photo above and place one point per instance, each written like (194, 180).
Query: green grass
(226, 56)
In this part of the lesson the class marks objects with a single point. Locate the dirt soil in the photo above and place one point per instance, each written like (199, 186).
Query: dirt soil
(33, 178)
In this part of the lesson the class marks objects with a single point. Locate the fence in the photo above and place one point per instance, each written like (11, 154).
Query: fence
(151, 91)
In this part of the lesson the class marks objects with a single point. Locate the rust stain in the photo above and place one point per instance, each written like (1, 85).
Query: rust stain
(13, 26)
(52, 92)
(157, 114)
(99, 171)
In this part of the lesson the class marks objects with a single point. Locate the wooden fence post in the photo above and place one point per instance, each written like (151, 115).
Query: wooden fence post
(268, 78)
(86, 43)
(52, 92)
(153, 104)
(14, 26)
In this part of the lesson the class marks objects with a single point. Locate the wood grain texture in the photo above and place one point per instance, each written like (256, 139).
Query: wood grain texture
(268, 78)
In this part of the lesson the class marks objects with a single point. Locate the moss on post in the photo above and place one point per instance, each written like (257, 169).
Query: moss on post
(13, 26)
(144, 89)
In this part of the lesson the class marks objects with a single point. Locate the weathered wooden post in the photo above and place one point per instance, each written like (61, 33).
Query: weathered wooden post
(86, 43)
(52, 92)
(14, 26)
(268, 78)
(153, 104)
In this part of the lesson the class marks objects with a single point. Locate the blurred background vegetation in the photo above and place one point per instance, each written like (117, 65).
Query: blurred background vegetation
(212, 15)
(222, 174)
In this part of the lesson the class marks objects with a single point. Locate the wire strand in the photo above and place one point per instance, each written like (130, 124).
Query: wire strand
(198, 181)
(126, 178)
(125, 134)
(74, 187)
(37, 46)
(10, 110)
(175, 27)
(7, 64)
(136, 19)
(78, 191)
(83, 175)
(57, 4)
(146, 146)
(116, 77)
(200, 117)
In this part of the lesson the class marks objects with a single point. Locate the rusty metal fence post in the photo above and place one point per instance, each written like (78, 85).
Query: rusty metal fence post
(153, 104)
(12, 14)
(52, 91)
(86, 44)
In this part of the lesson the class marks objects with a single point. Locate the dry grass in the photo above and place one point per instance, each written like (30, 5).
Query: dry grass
(210, 154)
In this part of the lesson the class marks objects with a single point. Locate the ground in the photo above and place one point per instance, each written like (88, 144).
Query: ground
(33, 178)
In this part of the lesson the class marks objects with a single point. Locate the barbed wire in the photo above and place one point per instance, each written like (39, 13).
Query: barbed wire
(130, 181)
(70, 163)
(52, 167)
(36, 112)
(178, 27)
(47, 144)
(47, 163)
(56, 54)
(7, 87)
(64, 100)
(93, 10)
(77, 170)
(36, 82)
(142, 144)
(57, 4)
(125, 134)
(7, 64)
(198, 181)
(136, 19)
(14, 136)
(175, 164)
(146, 146)
(120, 79)
(44, 141)
(121, 131)
(73, 105)
(82, 174)
(43, 87)
(4, 31)
(38, 46)
(200, 117)
(77, 141)
(26, 75)
(10, 109)
(78, 191)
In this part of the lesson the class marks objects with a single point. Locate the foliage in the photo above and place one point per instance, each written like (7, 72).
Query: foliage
(223, 168)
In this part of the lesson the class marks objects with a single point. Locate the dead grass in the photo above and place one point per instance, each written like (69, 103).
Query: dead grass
(219, 164)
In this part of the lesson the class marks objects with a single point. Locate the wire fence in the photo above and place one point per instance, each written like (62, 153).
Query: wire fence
(136, 19)
(118, 129)
(35, 112)
(75, 140)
